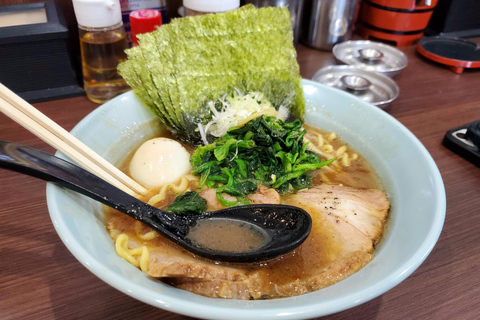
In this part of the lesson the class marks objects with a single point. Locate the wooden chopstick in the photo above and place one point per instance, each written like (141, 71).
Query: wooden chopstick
(46, 129)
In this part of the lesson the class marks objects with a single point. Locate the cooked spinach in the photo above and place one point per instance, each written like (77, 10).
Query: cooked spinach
(265, 151)
(188, 203)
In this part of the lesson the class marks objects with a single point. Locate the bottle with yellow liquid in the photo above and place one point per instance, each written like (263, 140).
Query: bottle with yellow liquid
(102, 43)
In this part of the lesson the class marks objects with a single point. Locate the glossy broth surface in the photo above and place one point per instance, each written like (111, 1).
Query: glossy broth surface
(225, 235)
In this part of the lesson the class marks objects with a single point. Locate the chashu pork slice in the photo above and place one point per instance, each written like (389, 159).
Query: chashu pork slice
(358, 214)
(168, 259)
(347, 222)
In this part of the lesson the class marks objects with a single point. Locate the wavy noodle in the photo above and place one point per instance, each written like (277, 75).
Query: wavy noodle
(144, 258)
(340, 151)
(325, 178)
(314, 148)
(320, 140)
(332, 136)
(144, 236)
(325, 149)
(336, 165)
(121, 247)
(328, 148)
(327, 169)
(345, 160)
(182, 187)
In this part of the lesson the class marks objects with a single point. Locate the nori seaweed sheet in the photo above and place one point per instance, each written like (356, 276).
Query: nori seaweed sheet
(177, 69)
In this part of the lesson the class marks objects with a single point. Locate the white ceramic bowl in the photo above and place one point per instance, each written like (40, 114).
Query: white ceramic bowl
(412, 180)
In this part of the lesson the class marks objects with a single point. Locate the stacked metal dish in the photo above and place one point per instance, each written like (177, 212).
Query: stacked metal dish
(369, 66)
(371, 56)
(372, 87)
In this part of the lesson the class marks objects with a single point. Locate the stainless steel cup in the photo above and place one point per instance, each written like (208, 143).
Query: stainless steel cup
(294, 7)
(328, 22)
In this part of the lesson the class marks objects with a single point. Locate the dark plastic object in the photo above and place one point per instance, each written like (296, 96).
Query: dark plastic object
(473, 133)
(39, 61)
(455, 18)
(286, 226)
(465, 141)
(455, 53)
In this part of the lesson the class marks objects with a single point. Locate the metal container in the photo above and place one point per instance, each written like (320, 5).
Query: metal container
(328, 22)
(370, 86)
(371, 56)
(294, 7)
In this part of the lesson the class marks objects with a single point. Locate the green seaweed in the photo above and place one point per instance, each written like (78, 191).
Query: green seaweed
(177, 69)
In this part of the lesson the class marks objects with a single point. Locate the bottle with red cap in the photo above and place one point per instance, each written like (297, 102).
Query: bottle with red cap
(128, 6)
(143, 21)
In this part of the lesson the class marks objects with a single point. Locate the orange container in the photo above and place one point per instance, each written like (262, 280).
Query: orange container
(400, 22)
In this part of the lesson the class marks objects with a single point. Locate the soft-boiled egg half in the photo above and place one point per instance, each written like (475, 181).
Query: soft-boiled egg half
(158, 162)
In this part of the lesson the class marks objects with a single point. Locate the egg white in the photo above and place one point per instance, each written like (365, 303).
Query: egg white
(159, 161)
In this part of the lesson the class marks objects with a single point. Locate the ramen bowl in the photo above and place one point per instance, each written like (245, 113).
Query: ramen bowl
(411, 179)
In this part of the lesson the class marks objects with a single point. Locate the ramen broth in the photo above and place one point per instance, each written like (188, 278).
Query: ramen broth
(314, 254)
(227, 235)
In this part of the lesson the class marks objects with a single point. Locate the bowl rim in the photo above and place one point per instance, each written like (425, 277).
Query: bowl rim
(257, 309)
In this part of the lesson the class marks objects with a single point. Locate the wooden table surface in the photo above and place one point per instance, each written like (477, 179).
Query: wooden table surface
(40, 279)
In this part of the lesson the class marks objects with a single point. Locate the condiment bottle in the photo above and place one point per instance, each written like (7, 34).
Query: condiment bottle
(143, 21)
(199, 7)
(102, 44)
(128, 6)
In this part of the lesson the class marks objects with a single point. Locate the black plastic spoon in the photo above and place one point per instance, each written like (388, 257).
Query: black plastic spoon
(283, 227)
